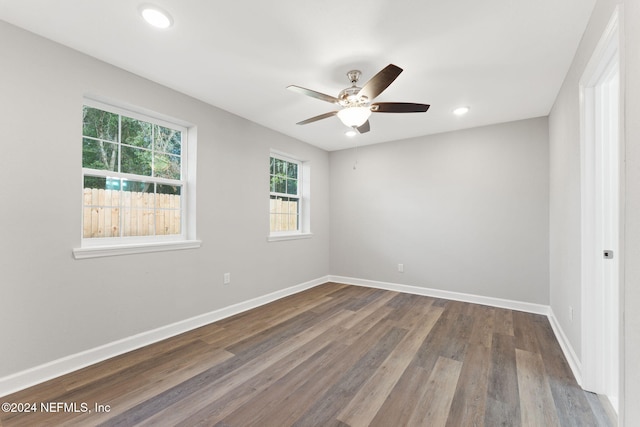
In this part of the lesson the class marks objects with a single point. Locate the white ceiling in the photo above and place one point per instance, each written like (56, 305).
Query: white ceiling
(504, 58)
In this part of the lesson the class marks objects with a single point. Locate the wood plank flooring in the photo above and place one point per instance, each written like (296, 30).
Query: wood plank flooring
(335, 355)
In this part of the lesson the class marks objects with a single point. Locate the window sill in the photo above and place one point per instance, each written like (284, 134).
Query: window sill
(140, 248)
(291, 236)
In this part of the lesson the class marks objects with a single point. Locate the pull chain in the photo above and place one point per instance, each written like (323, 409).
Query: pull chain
(355, 155)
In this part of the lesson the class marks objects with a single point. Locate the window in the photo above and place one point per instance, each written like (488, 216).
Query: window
(284, 203)
(289, 200)
(134, 178)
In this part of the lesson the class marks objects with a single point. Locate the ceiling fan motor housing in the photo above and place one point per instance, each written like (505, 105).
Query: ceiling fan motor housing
(349, 97)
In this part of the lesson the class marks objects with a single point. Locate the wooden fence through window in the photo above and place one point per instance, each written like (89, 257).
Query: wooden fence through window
(283, 215)
(114, 213)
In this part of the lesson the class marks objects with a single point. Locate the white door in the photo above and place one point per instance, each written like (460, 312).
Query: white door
(601, 170)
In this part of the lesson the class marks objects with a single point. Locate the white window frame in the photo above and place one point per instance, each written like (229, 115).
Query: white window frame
(110, 246)
(304, 205)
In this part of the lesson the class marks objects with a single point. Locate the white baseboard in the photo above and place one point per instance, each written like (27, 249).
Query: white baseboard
(567, 348)
(27, 378)
(438, 293)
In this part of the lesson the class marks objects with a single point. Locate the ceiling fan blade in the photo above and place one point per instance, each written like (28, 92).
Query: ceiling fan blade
(313, 94)
(380, 81)
(398, 107)
(364, 128)
(316, 118)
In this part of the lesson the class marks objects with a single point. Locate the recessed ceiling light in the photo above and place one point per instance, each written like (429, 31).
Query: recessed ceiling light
(351, 133)
(461, 111)
(156, 16)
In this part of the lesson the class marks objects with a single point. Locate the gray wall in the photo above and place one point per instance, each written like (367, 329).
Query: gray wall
(564, 135)
(52, 305)
(464, 211)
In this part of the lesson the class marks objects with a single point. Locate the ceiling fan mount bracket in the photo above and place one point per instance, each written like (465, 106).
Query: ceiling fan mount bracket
(354, 76)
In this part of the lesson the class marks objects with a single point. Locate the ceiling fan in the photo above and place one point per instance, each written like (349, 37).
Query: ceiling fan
(356, 101)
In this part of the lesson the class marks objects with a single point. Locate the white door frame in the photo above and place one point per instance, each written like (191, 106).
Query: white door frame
(601, 117)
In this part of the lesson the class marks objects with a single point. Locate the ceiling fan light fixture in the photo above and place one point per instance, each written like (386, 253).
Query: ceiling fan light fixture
(156, 17)
(354, 116)
(351, 133)
(354, 102)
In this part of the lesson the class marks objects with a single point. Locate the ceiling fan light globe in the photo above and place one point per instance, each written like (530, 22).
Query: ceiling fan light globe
(354, 116)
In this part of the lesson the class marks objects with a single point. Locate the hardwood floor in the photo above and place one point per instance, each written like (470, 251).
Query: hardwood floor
(335, 355)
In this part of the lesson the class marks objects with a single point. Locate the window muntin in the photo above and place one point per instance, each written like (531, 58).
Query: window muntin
(285, 199)
(134, 177)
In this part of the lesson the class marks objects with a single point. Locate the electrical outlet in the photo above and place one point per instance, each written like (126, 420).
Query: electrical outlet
(400, 268)
(226, 279)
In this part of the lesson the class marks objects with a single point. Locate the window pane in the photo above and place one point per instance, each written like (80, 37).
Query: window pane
(272, 165)
(99, 124)
(292, 186)
(279, 184)
(135, 160)
(167, 222)
(168, 189)
(278, 222)
(292, 170)
(95, 182)
(99, 155)
(112, 184)
(283, 222)
(137, 186)
(166, 166)
(293, 223)
(283, 213)
(101, 191)
(292, 207)
(280, 168)
(138, 222)
(168, 217)
(167, 140)
(136, 132)
(277, 204)
(138, 202)
(100, 221)
(101, 212)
